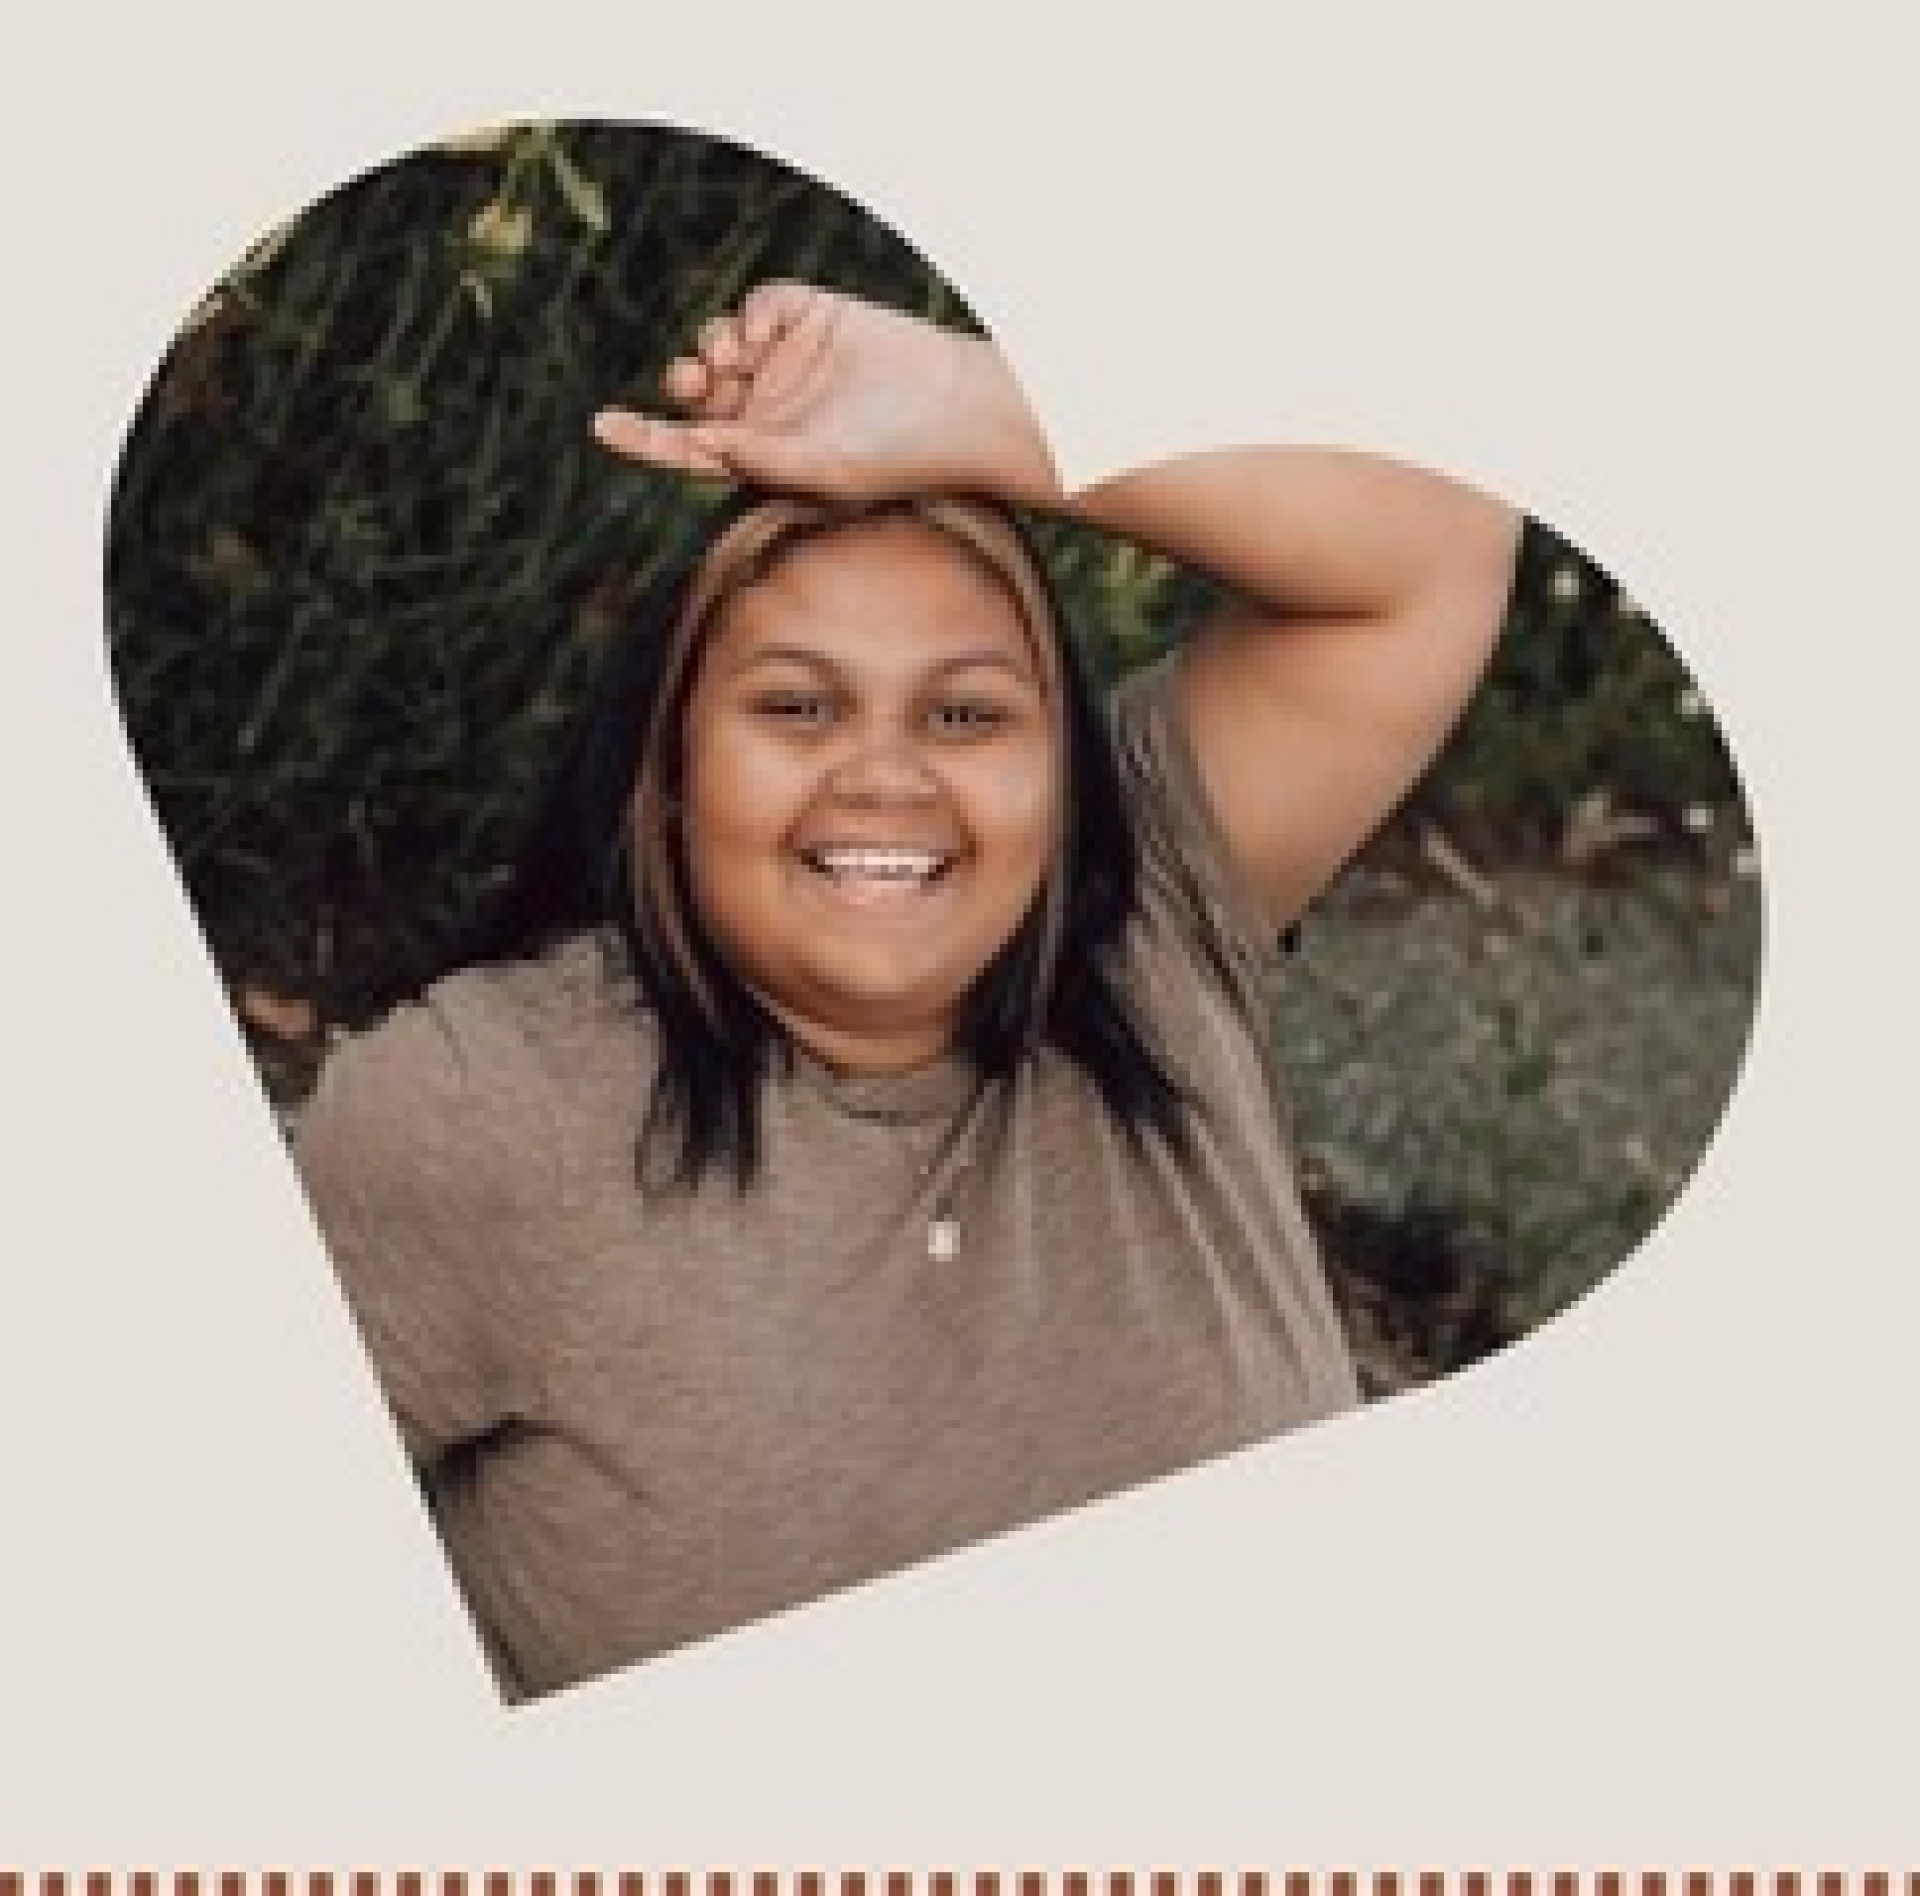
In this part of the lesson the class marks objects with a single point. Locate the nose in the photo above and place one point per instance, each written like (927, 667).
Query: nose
(883, 766)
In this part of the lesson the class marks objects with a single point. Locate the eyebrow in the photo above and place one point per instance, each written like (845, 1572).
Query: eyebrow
(983, 657)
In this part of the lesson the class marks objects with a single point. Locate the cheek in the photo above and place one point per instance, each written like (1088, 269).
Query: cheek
(739, 790)
(1015, 805)
(740, 800)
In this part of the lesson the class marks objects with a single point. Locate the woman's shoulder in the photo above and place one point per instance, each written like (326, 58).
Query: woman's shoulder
(545, 1008)
(1190, 884)
(477, 1076)
(500, 1024)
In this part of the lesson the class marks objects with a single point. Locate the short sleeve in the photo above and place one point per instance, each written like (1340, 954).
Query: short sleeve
(1189, 877)
(415, 1186)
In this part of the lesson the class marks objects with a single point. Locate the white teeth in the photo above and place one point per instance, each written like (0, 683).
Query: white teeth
(900, 865)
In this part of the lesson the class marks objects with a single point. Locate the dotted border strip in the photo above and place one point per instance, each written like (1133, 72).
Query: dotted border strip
(955, 1883)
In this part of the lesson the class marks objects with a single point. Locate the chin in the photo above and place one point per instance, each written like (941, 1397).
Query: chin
(857, 1001)
(883, 1008)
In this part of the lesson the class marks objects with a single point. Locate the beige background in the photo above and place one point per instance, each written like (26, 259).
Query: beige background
(1643, 1591)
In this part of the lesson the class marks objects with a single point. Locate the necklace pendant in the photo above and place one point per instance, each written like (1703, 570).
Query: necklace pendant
(943, 1240)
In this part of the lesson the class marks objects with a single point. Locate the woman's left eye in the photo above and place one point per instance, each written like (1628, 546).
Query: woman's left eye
(967, 717)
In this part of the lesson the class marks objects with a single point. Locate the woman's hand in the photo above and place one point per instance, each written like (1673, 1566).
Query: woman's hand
(822, 394)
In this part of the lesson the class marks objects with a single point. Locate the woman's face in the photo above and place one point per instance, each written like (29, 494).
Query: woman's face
(872, 793)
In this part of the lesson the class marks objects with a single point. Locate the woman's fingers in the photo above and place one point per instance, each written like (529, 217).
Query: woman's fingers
(670, 444)
(710, 393)
(707, 394)
(769, 310)
(715, 379)
(727, 398)
(686, 380)
(722, 450)
(720, 344)
(713, 387)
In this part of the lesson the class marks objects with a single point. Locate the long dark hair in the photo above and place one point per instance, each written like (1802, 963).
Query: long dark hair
(604, 850)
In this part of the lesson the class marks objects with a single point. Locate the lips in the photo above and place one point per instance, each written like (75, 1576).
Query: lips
(877, 865)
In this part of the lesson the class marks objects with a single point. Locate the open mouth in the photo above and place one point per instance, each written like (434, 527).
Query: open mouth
(878, 867)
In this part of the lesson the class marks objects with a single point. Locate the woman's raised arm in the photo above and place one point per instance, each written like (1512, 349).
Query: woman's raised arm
(1366, 596)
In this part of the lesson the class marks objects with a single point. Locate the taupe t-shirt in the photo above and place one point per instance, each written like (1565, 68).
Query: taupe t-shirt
(643, 1418)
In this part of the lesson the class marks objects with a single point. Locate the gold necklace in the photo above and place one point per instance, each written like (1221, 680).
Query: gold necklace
(942, 1169)
(951, 1164)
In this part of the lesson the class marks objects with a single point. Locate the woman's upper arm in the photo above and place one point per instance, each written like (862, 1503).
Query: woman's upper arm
(1308, 731)
(393, 1158)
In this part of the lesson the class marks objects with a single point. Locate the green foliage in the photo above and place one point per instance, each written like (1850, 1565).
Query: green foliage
(363, 557)
(1585, 703)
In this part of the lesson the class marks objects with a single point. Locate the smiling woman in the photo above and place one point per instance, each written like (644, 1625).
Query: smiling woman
(873, 794)
(858, 1133)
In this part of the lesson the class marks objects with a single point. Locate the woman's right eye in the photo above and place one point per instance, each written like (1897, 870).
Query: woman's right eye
(794, 707)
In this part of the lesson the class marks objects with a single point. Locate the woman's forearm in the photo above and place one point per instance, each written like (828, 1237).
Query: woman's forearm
(1307, 532)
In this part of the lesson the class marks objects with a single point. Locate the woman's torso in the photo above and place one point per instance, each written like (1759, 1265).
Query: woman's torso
(698, 1408)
